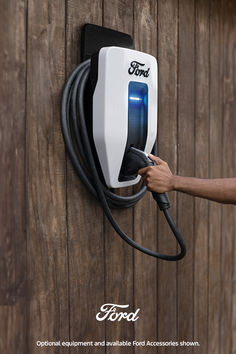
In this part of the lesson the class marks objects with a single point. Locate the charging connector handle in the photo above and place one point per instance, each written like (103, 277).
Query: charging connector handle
(136, 159)
(79, 149)
(162, 200)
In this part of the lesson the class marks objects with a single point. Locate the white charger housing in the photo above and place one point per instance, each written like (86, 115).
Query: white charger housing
(124, 109)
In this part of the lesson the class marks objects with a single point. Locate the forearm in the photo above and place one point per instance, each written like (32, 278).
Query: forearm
(219, 190)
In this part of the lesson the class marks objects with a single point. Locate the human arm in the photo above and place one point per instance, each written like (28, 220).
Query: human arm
(159, 179)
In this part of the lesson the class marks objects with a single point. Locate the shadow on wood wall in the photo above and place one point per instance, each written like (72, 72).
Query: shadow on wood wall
(60, 259)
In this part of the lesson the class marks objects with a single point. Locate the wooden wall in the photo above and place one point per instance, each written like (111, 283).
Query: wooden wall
(60, 259)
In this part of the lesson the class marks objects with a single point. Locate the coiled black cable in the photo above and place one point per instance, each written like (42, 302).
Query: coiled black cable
(77, 142)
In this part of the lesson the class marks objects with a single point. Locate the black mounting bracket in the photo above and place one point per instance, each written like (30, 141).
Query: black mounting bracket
(95, 37)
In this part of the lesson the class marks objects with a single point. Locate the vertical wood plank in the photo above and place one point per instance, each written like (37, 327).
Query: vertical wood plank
(118, 14)
(85, 216)
(13, 321)
(228, 164)
(201, 170)
(167, 138)
(145, 212)
(46, 209)
(215, 168)
(186, 94)
(230, 109)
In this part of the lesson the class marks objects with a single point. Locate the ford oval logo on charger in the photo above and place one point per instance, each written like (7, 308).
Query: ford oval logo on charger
(134, 69)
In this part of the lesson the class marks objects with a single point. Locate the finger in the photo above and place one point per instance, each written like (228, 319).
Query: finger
(143, 171)
(156, 159)
(149, 187)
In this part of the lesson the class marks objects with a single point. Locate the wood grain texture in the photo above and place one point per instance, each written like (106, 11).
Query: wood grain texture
(228, 164)
(46, 195)
(85, 216)
(201, 170)
(215, 171)
(186, 113)
(167, 141)
(145, 212)
(60, 259)
(119, 284)
(13, 271)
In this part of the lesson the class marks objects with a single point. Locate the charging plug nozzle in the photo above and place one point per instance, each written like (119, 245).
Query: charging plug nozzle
(136, 159)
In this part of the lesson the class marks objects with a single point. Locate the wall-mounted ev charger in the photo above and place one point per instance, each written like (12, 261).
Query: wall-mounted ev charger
(124, 109)
(109, 123)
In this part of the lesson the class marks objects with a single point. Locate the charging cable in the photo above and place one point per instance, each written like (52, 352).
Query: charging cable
(78, 145)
